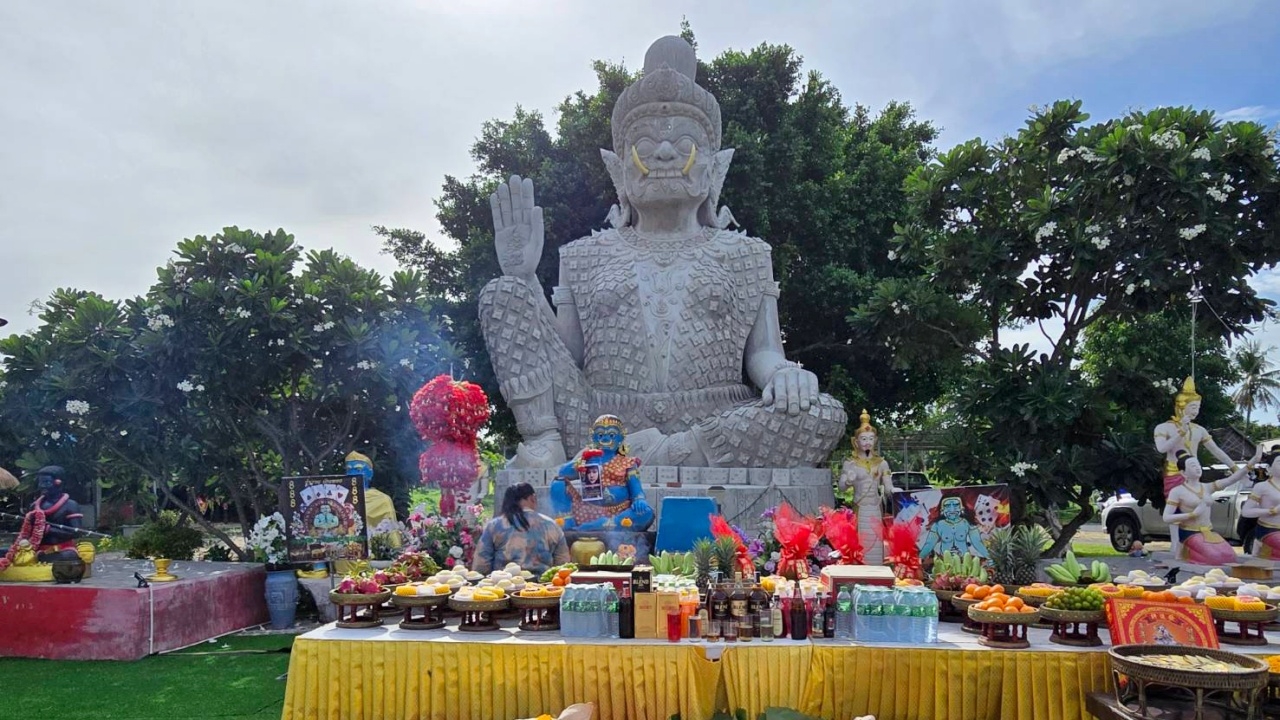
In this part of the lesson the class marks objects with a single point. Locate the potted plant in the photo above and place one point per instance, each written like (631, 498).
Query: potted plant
(267, 542)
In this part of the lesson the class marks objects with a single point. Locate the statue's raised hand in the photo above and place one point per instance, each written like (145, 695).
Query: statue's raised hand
(517, 228)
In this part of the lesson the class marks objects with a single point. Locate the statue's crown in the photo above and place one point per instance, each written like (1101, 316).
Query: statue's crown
(608, 421)
(866, 425)
(1185, 396)
(360, 457)
(666, 88)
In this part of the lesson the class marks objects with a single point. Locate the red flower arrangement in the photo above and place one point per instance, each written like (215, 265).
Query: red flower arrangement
(903, 539)
(33, 526)
(448, 413)
(797, 535)
(841, 530)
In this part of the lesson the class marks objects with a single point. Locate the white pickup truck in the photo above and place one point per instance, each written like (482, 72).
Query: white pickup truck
(1126, 520)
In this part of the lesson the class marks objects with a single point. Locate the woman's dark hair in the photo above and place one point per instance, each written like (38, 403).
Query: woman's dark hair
(511, 509)
(1182, 457)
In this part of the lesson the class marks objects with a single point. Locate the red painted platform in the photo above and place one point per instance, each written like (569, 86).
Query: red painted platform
(107, 617)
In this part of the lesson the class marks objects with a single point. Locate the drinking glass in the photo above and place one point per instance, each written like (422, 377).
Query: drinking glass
(673, 625)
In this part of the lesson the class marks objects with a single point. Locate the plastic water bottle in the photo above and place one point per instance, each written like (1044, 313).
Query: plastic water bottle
(844, 613)
(931, 627)
(566, 611)
(920, 610)
(610, 610)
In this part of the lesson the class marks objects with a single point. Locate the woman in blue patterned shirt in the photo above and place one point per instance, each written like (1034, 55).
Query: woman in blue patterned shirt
(520, 535)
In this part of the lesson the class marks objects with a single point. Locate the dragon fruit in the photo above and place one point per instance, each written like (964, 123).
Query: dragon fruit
(358, 586)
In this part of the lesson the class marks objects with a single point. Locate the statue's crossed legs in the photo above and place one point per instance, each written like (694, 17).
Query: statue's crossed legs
(555, 406)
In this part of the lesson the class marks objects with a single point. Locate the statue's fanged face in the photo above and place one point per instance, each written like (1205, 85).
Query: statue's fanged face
(607, 437)
(667, 161)
(867, 441)
(952, 509)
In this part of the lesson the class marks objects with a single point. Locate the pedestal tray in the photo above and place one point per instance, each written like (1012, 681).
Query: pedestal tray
(1201, 673)
(478, 616)
(358, 610)
(1249, 625)
(429, 611)
(962, 606)
(540, 613)
(1006, 631)
(1077, 628)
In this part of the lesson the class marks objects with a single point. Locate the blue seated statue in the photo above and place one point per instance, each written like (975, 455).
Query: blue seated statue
(622, 504)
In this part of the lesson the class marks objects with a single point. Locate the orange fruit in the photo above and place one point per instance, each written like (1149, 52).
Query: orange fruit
(968, 595)
(1016, 603)
(981, 592)
(997, 588)
(558, 581)
(971, 589)
(1027, 609)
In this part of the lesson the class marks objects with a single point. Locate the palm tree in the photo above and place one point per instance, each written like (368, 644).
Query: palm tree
(1259, 381)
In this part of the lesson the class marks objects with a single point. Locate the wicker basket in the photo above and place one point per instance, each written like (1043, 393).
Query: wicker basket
(1252, 675)
(530, 603)
(481, 606)
(963, 605)
(338, 598)
(1245, 615)
(946, 596)
(1072, 616)
(417, 601)
(1033, 600)
(1002, 618)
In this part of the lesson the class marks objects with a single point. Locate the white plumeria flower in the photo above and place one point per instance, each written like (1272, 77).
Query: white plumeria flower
(1065, 155)
(55, 435)
(243, 314)
(1127, 179)
(1046, 230)
(404, 362)
(366, 365)
(892, 255)
(124, 433)
(1169, 140)
(1200, 153)
(1192, 232)
(200, 388)
(1128, 289)
(186, 386)
(1092, 229)
(1102, 243)
(77, 407)
(4, 384)
(1216, 194)
(157, 323)
(236, 248)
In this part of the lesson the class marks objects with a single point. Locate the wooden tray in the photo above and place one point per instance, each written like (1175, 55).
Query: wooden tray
(482, 606)
(519, 601)
(1245, 615)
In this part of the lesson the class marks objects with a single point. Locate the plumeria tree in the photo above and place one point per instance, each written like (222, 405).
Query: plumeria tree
(1055, 229)
(246, 361)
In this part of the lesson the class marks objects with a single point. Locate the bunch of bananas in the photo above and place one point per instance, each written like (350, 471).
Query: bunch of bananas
(669, 563)
(611, 558)
(1071, 571)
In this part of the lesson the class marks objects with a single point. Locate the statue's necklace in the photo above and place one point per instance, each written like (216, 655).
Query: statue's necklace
(868, 463)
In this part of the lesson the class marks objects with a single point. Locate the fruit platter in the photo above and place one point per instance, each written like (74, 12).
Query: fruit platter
(952, 573)
(1249, 614)
(357, 600)
(540, 605)
(1003, 619)
(1075, 613)
(1036, 594)
(478, 605)
(422, 604)
(1071, 572)
(1142, 579)
(1202, 672)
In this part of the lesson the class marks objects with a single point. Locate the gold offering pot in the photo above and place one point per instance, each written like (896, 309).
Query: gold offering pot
(583, 548)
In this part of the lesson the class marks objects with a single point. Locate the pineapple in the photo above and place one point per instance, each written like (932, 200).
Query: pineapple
(704, 560)
(1000, 550)
(1028, 543)
(726, 557)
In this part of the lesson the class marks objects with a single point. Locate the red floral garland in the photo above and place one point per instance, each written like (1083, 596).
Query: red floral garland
(34, 525)
(904, 548)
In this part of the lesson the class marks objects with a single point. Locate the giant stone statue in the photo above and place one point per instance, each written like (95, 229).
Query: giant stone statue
(658, 318)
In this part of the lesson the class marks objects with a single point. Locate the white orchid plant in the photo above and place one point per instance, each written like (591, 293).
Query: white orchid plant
(267, 540)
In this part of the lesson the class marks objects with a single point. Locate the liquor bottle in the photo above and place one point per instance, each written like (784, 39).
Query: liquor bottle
(626, 613)
(829, 617)
(738, 602)
(719, 603)
(815, 616)
(799, 619)
(775, 618)
(758, 601)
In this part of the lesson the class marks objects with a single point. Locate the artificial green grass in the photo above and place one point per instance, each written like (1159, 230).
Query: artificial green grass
(243, 683)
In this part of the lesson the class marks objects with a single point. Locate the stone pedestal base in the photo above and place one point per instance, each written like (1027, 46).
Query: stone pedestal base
(741, 493)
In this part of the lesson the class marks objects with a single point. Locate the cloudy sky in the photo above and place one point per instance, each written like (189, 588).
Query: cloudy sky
(128, 125)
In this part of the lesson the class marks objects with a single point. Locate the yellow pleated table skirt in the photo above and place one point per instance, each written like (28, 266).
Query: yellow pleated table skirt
(339, 679)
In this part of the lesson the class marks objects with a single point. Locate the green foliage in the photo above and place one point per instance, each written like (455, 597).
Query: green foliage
(1259, 380)
(249, 359)
(1074, 225)
(165, 536)
(218, 553)
(819, 181)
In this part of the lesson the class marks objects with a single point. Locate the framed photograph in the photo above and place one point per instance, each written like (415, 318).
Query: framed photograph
(592, 482)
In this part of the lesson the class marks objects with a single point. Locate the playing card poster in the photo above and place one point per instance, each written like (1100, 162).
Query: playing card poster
(955, 519)
(324, 517)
